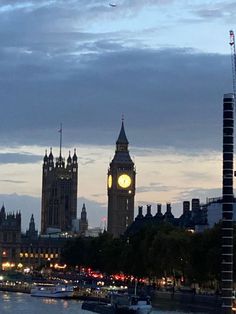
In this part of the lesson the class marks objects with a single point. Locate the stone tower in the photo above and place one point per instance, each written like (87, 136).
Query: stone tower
(121, 188)
(32, 233)
(59, 193)
(83, 222)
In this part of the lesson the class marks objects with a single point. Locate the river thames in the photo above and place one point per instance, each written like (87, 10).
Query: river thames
(20, 303)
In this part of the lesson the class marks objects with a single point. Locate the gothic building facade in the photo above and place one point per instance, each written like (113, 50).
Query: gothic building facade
(10, 236)
(120, 188)
(59, 193)
(26, 250)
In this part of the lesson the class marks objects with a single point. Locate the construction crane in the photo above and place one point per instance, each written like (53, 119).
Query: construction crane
(233, 60)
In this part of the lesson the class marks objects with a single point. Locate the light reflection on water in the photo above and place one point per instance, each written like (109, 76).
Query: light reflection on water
(19, 303)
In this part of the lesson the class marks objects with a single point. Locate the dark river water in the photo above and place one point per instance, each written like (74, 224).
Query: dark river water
(19, 303)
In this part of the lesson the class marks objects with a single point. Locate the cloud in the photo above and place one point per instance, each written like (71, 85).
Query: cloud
(97, 195)
(10, 158)
(202, 194)
(217, 10)
(84, 64)
(68, 12)
(154, 187)
(204, 176)
(14, 181)
(169, 98)
(54, 67)
(87, 161)
(210, 13)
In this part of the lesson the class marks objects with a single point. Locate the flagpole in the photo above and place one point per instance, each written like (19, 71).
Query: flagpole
(60, 138)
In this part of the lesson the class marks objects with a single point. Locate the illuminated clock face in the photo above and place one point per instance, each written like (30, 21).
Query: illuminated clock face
(124, 181)
(109, 181)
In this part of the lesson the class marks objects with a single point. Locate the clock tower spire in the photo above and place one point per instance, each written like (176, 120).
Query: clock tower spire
(121, 187)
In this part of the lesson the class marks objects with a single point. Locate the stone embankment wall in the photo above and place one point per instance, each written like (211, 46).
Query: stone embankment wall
(209, 303)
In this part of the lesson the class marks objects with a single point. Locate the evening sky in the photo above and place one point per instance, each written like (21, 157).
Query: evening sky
(163, 64)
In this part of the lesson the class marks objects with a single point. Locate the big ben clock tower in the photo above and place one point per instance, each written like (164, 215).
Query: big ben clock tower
(120, 188)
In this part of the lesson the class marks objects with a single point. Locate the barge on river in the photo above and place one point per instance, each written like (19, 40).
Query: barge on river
(121, 304)
(58, 291)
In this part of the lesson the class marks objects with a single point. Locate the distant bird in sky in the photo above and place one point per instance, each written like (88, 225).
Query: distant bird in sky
(112, 5)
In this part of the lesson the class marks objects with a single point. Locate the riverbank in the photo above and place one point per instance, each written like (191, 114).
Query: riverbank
(26, 288)
(191, 301)
(13, 287)
(160, 299)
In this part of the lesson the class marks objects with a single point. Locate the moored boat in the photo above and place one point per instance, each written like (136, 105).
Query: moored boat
(58, 291)
(120, 304)
(131, 303)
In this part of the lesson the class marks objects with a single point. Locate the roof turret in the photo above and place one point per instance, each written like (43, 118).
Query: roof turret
(83, 208)
(69, 159)
(75, 156)
(50, 157)
(45, 159)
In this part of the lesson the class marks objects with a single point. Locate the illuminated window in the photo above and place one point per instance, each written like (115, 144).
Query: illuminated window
(51, 256)
(26, 255)
(31, 255)
(46, 255)
(21, 254)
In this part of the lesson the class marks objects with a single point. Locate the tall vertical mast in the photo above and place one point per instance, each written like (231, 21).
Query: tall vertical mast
(233, 60)
(60, 131)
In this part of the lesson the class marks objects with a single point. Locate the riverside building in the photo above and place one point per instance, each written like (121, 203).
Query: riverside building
(193, 217)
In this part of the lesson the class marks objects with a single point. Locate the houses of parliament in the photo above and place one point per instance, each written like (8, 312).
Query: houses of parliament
(60, 185)
(59, 209)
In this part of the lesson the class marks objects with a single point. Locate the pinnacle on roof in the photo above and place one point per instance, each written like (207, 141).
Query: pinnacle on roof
(69, 158)
(32, 218)
(122, 139)
(74, 156)
(45, 156)
(50, 155)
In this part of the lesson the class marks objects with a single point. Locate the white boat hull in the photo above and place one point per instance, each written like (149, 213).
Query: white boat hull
(52, 292)
(133, 303)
